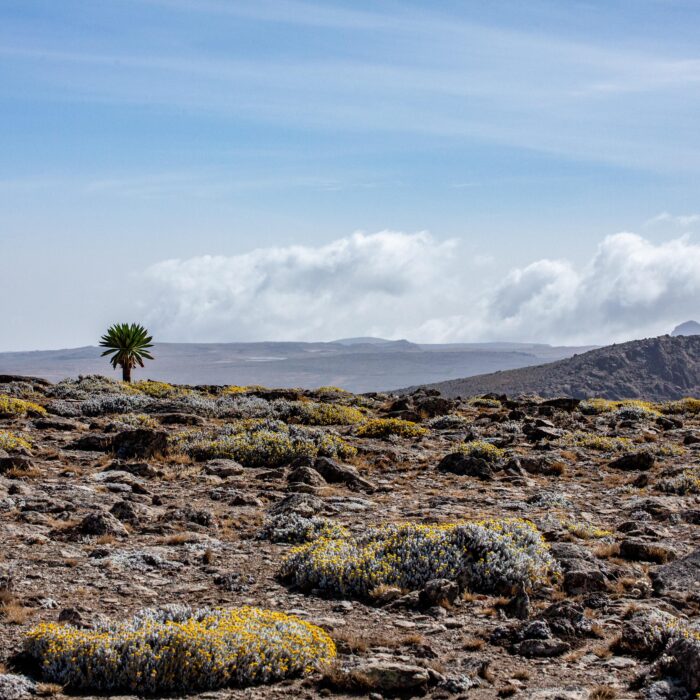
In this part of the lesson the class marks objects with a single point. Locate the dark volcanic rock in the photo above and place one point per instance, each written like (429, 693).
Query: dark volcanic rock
(466, 465)
(640, 550)
(634, 461)
(141, 443)
(682, 575)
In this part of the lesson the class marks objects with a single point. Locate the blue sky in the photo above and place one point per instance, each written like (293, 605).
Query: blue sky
(226, 134)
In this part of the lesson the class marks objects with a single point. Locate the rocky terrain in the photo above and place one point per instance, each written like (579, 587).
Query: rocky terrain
(658, 369)
(411, 545)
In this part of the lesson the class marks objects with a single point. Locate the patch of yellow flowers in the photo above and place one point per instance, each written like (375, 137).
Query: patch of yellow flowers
(11, 441)
(20, 407)
(490, 556)
(158, 390)
(180, 649)
(384, 427)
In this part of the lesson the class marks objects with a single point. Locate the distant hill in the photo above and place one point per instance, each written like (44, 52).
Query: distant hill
(356, 364)
(660, 369)
(687, 328)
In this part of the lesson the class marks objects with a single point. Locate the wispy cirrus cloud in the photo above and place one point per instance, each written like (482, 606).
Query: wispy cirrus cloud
(682, 220)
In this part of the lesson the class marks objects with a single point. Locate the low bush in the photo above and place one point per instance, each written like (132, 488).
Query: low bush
(688, 481)
(484, 402)
(687, 405)
(106, 404)
(136, 420)
(491, 556)
(632, 408)
(293, 528)
(19, 407)
(180, 649)
(451, 421)
(482, 450)
(261, 443)
(87, 386)
(312, 413)
(385, 427)
(158, 390)
(11, 442)
(599, 443)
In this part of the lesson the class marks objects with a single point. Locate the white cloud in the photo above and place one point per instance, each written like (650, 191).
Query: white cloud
(682, 220)
(362, 283)
(395, 284)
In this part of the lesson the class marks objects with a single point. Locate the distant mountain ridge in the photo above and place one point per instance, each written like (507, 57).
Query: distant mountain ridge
(356, 364)
(660, 369)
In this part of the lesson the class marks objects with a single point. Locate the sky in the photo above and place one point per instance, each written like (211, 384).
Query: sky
(234, 170)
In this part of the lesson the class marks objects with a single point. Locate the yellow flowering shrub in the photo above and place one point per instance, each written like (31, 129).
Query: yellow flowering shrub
(11, 441)
(312, 413)
(686, 405)
(482, 450)
(488, 556)
(384, 427)
(158, 390)
(180, 649)
(591, 441)
(20, 407)
(261, 443)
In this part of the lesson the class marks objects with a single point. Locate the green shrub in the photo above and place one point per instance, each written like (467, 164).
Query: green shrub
(20, 407)
(482, 450)
(312, 413)
(385, 427)
(488, 556)
(261, 443)
(180, 649)
(599, 443)
(158, 390)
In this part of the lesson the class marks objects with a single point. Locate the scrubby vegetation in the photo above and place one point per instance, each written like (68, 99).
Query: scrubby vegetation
(314, 413)
(598, 443)
(386, 427)
(488, 556)
(179, 649)
(688, 481)
(626, 408)
(158, 390)
(481, 450)
(295, 529)
(10, 441)
(687, 405)
(262, 443)
(19, 407)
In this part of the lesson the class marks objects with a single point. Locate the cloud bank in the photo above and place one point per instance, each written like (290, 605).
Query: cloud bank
(394, 284)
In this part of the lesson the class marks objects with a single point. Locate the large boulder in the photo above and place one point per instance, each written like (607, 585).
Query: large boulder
(681, 575)
(634, 461)
(140, 443)
(467, 465)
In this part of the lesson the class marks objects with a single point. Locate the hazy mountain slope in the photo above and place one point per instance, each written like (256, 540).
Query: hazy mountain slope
(657, 368)
(360, 366)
